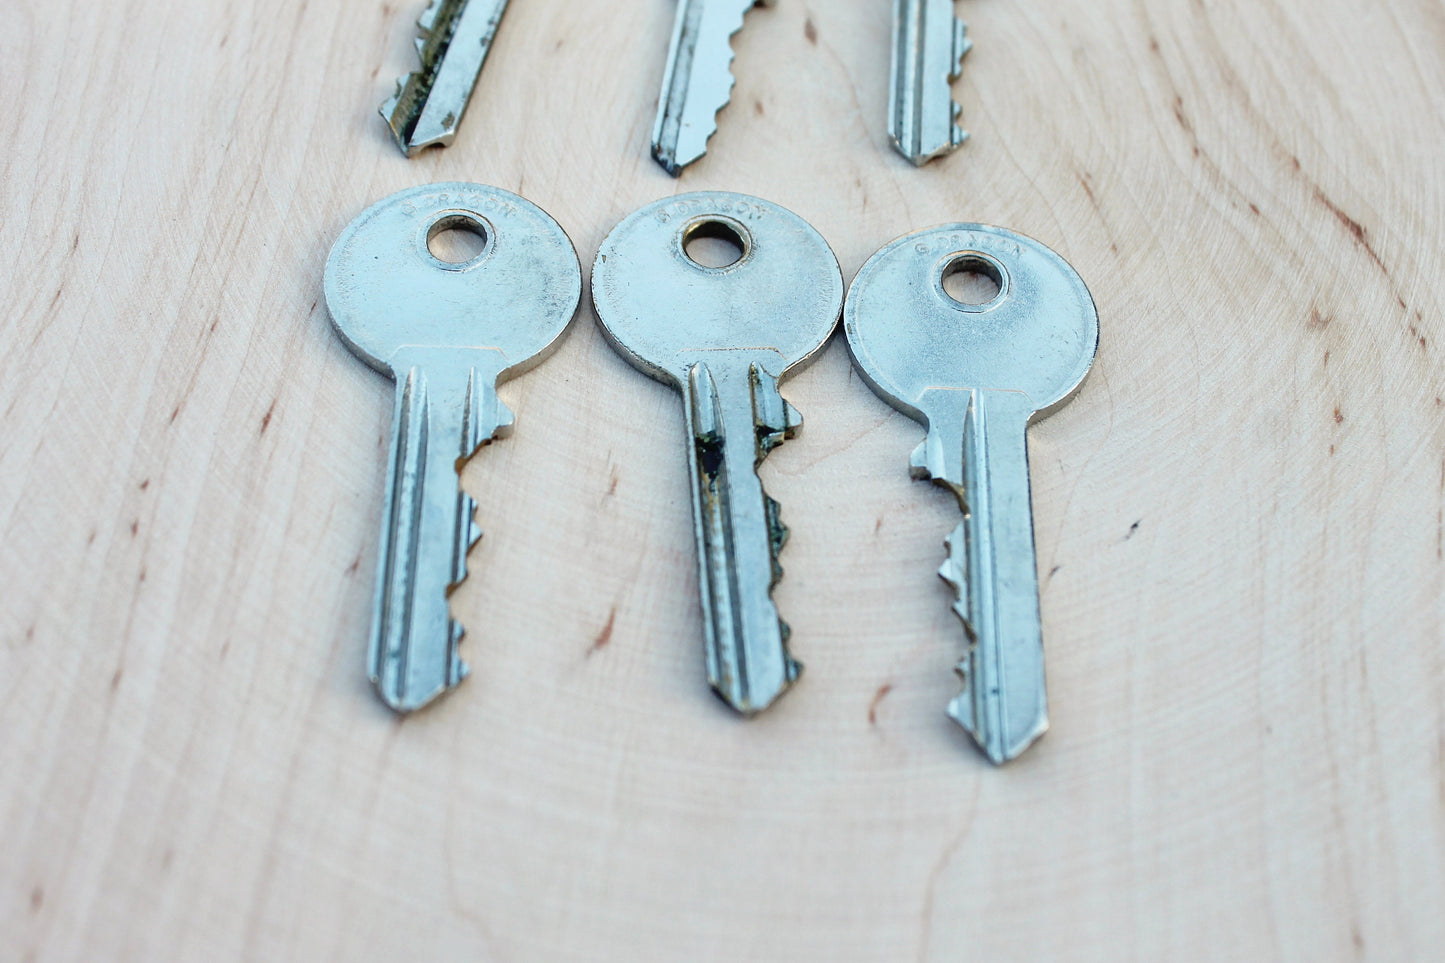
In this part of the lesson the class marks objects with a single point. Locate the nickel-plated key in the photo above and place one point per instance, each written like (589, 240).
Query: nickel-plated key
(724, 337)
(456, 36)
(698, 81)
(447, 333)
(929, 44)
(976, 375)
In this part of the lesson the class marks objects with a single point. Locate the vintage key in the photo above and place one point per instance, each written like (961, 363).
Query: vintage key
(698, 81)
(929, 44)
(456, 36)
(447, 333)
(724, 337)
(976, 375)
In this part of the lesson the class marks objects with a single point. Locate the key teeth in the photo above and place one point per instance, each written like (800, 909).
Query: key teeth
(459, 667)
(388, 106)
(954, 571)
(470, 539)
(929, 461)
(960, 710)
(961, 46)
(774, 418)
(792, 420)
(777, 537)
(667, 156)
(918, 463)
(956, 133)
(506, 421)
(426, 23)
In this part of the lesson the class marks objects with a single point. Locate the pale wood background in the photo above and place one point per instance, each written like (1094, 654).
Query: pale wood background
(1239, 519)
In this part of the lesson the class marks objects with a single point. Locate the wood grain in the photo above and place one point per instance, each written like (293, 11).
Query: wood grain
(1239, 519)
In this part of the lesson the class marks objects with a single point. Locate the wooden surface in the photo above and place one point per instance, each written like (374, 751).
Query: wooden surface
(1239, 519)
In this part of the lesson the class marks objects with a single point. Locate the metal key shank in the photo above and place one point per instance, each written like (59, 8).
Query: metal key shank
(735, 416)
(446, 408)
(977, 448)
(698, 81)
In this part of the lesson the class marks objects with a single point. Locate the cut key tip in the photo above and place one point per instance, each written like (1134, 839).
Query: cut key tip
(403, 701)
(667, 161)
(996, 749)
(746, 704)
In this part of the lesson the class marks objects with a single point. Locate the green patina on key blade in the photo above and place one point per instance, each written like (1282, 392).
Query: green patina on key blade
(456, 36)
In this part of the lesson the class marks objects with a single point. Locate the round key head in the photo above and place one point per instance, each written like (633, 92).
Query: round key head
(514, 290)
(908, 333)
(661, 308)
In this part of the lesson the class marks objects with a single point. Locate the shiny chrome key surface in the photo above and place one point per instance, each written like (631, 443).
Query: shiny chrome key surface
(447, 333)
(456, 36)
(929, 44)
(724, 337)
(976, 376)
(698, 81)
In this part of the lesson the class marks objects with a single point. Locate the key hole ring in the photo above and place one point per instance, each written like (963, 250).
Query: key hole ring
(972, 262)
(464, 222)
(715, 227)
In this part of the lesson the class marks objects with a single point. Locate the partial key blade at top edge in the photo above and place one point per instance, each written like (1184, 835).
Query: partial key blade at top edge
(698, 81)
(929, 44)
(429, 103)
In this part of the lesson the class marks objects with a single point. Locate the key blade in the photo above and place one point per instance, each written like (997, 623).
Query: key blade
(456, 36)
(736, 416)
(446, 409)
(977, 448)
(929, 44)
(698, 81)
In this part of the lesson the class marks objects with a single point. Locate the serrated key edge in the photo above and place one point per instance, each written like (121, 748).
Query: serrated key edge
(672, 102)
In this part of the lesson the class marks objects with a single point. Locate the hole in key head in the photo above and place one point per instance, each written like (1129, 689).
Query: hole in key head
(713, 244)
(457, 239)
(972, 280)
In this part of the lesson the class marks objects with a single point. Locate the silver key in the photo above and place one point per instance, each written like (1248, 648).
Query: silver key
(456, 36)
(447, 333)
(724, 337)
(929, 44)
(976, 376)
(699, 81)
